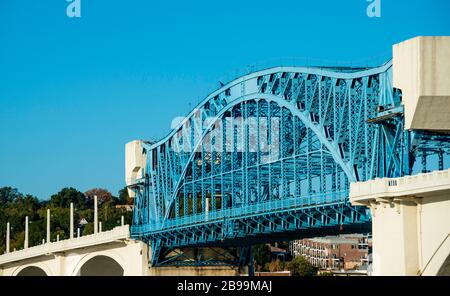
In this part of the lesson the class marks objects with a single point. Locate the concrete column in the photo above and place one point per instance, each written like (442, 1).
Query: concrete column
(78, 232)
(71, 220)
(95, 214)
(26, 233)
(57, 237)
(122, 221)
(48, 225)
(7, 237)
(100, 226)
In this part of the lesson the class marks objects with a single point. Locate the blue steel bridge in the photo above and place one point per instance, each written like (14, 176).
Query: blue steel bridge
(270, 156)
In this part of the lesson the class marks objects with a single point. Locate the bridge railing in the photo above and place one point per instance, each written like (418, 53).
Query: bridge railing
(280, 205)
(120, 232)
(386, 187)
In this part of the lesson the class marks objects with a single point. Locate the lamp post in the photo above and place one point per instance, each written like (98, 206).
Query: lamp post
(26, 233)
(7, 237)
(48, 225)
(71, 220)
(95, 214)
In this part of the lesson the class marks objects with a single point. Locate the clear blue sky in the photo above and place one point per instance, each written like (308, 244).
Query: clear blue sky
(74, 91)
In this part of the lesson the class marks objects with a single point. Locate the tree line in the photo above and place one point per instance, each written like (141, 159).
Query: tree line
(15, 206)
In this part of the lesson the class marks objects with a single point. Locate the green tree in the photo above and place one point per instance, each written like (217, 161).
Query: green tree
(8, 194)
(103, 195)
(261, 256)
(14, 206)
(124, 198)
(299, 266)
(275, 265)
(66, 196)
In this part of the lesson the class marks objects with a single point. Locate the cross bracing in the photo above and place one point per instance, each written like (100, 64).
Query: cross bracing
(271, 154)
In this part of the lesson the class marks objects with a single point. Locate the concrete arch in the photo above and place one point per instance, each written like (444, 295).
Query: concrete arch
(37, 269)
(282, 103)
(439, 263)
(445, 268)
(110, 263)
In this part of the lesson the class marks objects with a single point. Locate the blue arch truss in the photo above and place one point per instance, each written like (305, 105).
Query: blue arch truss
(271, 155)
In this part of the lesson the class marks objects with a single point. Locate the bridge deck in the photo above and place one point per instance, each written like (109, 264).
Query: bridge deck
(118, 233)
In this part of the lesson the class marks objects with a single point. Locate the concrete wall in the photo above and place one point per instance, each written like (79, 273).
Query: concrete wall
(194, 271)
(421, 68)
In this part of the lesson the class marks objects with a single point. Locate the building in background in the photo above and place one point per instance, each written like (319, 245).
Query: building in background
(344, 252)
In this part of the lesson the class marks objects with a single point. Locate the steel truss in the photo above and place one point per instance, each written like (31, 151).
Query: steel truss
(272, 154)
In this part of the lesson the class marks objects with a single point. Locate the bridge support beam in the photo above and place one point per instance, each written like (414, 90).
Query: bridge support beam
(410, 223)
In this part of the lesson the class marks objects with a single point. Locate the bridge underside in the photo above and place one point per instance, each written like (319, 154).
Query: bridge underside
(243, 232)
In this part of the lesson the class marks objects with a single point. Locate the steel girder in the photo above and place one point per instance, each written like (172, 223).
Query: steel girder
(272, 153)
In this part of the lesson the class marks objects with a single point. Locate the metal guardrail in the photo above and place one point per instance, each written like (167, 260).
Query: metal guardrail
(322, 199)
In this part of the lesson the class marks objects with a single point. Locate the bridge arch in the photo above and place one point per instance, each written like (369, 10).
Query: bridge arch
(296, 178)
(38, 269)
(101, 264)
(302, 116)
(439, 263)
(445, 268)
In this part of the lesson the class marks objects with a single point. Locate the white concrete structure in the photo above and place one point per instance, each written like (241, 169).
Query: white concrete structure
(26, 233)
(48, 225)
(410, 223)
(7, 237)
(135, 163)
(421, 69)
(95, 214)
(71, 220)
(104, 253)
